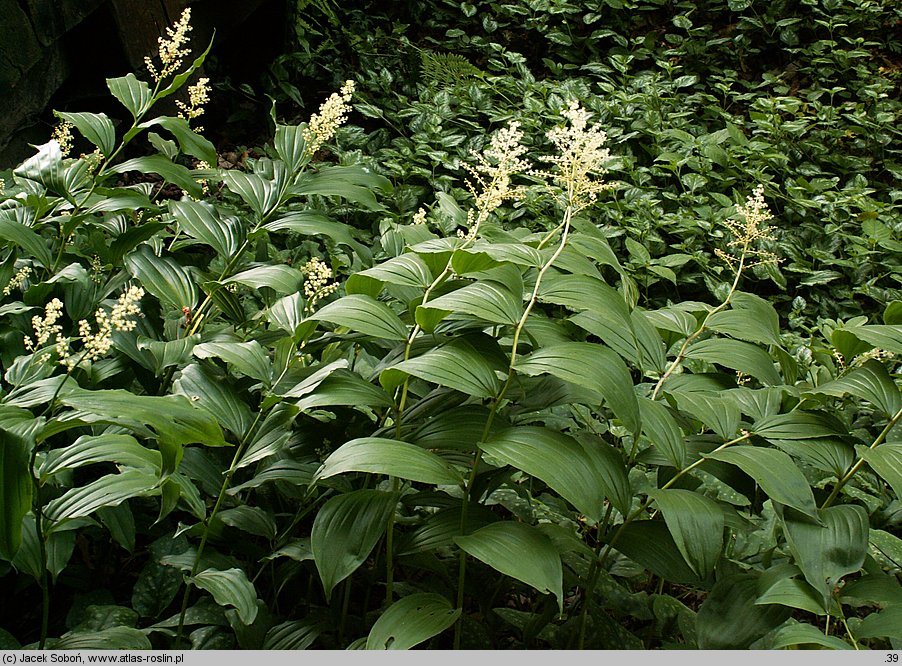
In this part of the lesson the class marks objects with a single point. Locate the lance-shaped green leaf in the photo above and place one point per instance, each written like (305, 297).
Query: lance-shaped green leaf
(26, 238)
(189, 141)
(696, 524)
(407, 270)
(750, 318)
(354, 183)
(582, 475)
(640, 343)
(179, 80)
(345, 530)
(348, 389)
(91, 449)
(390, 457)
(202, 221)
(490, 301)
(230, 588)
(659, 426)
(827, 552)
(742, 356)
(410, 621)
(16, 484)
(257, 192)
(163, 166)
(250, 519)
(886, 623)
(805, 634)
(775, 472)
(593, 367)
(363, 314)
(95, 127)
(869, 382)
(108, 490)
(176, 421)
(799, 425)
(212, 394)
(458, 365)
(163, 277)
(883, 336)
(245, 358)
(717, 412)
(520, 551)
(793, 593)
(886, 460)
(108, 638)
(282, 279)
(729, 619)
(291, 146)
(311, 223)
(134, 94)
(650, 544)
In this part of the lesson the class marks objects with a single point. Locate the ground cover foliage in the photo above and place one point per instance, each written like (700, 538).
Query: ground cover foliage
(565, 325)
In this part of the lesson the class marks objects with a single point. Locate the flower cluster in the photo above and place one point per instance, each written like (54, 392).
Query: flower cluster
(198, 95)
(580, 156)
(749, 229)
(492, 172)
(332, 114)
(18, 280)
(62, 134)
(316, 283)
(46, 326)
(172, 49)
(420, 217)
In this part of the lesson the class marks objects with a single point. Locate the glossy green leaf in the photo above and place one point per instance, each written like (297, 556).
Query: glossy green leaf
(91, 449)
(715, 411)
(202, 221)
(354, 183)
(565, 465)
(793, 593)
(311, 223)
(134, 94)
(212, 394)
(290, 145)
(189, 141)
(410, 621)
(886, 460)
(347, 389)
(519, 551)
(250, 519)
(282, 279)
(882, 336)
(457, 365)
(696, 524)
(271, 436)
(407, 270)
(27, 239)
(661, 429)
(365, 315)
(95, 127)
(230, 587)
(885, 623)
(389, 457)
(870, 382)
(163, 277)
(805, 634)
(245, 358)
(295, 635)
(729, 619)
(742, 356)
(750, 318)
(345, 531)
(162, 166)
(257, 192)
(775, 472)
(593, 367)
(108, 490)
(650, 544)
(799, 425)
(489, 301)
(16, 484)
(111, 638)
(637, 342)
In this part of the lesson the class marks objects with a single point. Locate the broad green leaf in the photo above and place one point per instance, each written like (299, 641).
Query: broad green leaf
(202, 221)
(750, 318)
(650, 544)
(742, 356)
(390, 457)
(888, 546)
(165, 353)
(799, 425)
(347, 389)
(457, 365)
(886, 460)
(295, 635)
(163, 277)
(638, 342)
(805, 634)
(250, 519)
(829, 454)
(134, 94)
(272, 435)
(16, 485)
(212, 394)
(111, 199)
(717, 412)
(407, 270)
(410, 621)
(95, 127)
(489, 301)
(310, 378)
(27, 239)
(580, 474)
(345, 530)
(90, 449)
(593, 367)
(515, 253)
(57, 552)
(111, 638)
(438, 529)
(287, 313)
(311, 223)
(257, 192)
(176, 421)
(886, 623)
(775, 472)
(157, 584)
(661, 429)
(882, 336)
(290, 145)
(354, 183)
(245, 358)
(696, 524)
(170, 171)
(282, 279)
(363, 314)
(793, 593)
(189, 141)
(869, 382)
(108, 490)
(519, 551)
(729, 619)
(230, 588)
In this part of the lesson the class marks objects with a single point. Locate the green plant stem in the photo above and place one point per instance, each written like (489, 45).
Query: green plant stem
(239, 452)
(592, 578)
(860, 462)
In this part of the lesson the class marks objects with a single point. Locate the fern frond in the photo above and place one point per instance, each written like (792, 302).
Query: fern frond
(447, 69)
